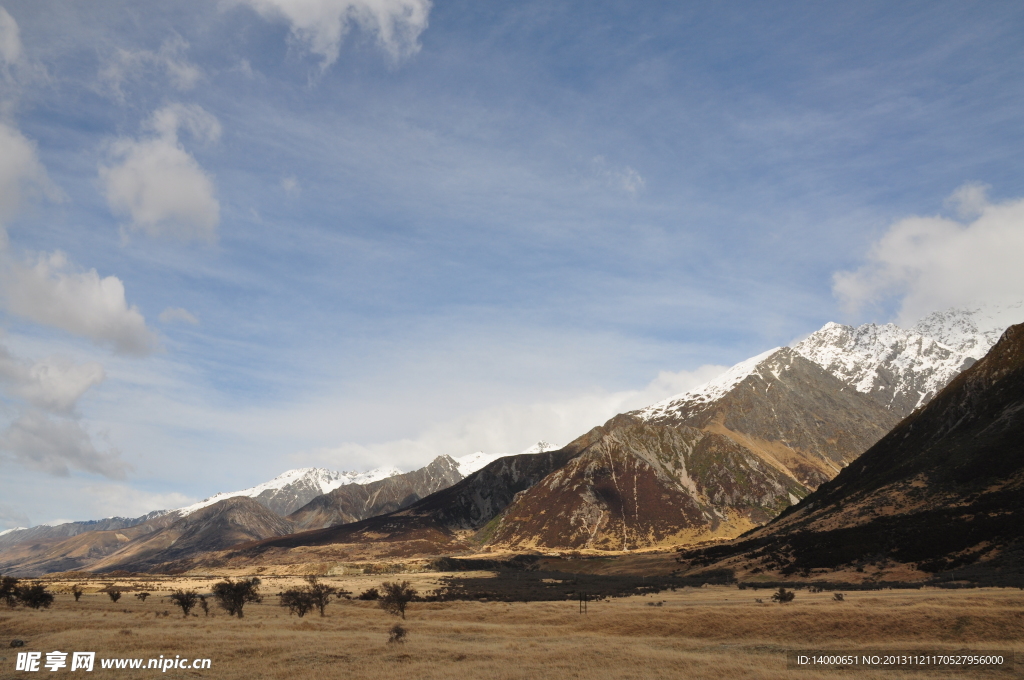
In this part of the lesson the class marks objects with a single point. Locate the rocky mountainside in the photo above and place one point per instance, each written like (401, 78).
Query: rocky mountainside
(943, 491)
(353, 502)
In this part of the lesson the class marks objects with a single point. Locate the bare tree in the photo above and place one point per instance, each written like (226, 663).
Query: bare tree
(142, 596)
(233, 595)
(114, 594)
(77, 591)
(320, 593)
(395, 596)
(204, 605)
(186, 599)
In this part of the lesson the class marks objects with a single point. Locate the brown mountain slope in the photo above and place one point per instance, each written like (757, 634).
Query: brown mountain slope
(49, 553)
(353, 502)
(642, 485)
(943, 490)
(790, 412)
(221, 525)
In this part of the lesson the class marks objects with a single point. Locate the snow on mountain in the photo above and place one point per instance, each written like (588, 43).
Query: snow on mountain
(7, 531)
(709, 392)
(902, 368)
(472, 462)
(296, 487)
(971, 331)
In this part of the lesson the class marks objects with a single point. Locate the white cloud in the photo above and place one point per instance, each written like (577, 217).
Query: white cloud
(54, 384)
(50, 292)
(290, 184)
(126, 65)
(176, 315)
(21, 173)
(321, 25)
(930, 263)
(512, 428)
(158, 184)
(108, 500)
(10, 38)
(54, 445)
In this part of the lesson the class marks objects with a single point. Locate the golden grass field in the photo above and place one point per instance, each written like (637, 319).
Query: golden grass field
(710, 632)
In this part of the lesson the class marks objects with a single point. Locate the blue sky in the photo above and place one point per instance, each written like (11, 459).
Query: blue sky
(364, 232)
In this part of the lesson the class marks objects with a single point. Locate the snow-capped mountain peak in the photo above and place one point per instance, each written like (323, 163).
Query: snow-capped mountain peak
(709, 392)
(472, 462)
(296, 487)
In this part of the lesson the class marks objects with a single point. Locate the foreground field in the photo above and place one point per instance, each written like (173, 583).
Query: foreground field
(711, 632)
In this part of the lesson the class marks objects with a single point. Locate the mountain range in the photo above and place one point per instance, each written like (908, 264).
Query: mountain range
(714, 462)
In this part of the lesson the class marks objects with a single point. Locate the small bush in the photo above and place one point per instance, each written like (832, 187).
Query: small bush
(319, 593)
(369, 594)
(77, 591)
(186, 599)
(783, 596)
(142, 596)
(9, 590)
(838, 597)
(114, 594)
(397, 634)
(204, 605)
(234, 595)
(35, 596)
(395, 597)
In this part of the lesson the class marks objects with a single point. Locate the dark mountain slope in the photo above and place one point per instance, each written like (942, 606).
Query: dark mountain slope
(943, 490)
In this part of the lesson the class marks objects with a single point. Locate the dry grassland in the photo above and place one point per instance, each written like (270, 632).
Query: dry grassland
(707, 633)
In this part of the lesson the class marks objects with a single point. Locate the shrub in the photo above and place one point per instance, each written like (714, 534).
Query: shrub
(9, 590)
(204, 605)
(298, 601)
(783, 596)
(397, 634)
(186, 599)
(142, 596)
(369, 594)
(838, 597)
(114, 594)
(77, 591)
(233, 595)
(395, 597)
(35, 596)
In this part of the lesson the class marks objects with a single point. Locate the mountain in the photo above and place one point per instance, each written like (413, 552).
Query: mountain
(290, 490)
(451, 520)
(228, 522)
(713, 462)
(943, 491)
(59, 532)
(353, 502)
